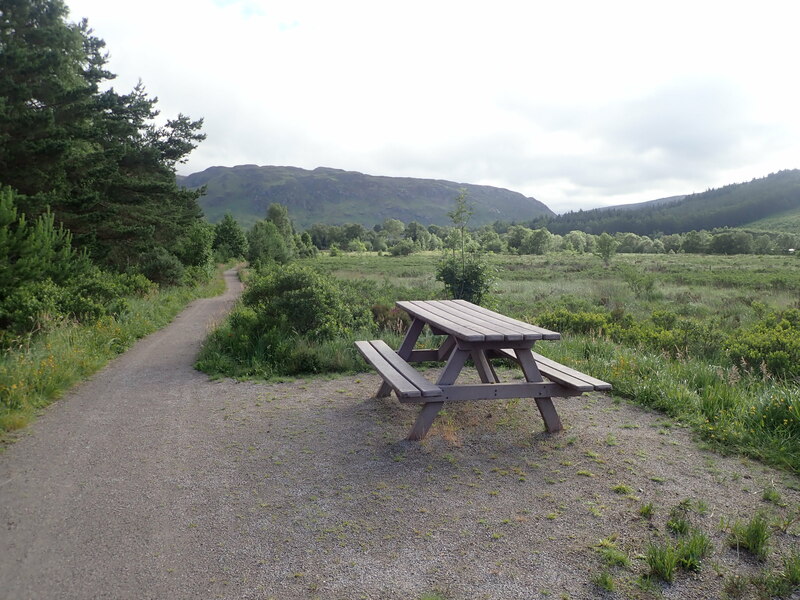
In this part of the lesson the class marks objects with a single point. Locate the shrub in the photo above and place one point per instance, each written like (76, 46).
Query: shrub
(300, 300)
(774, 341)
(402, 248)
(162, 267)
(468, 279)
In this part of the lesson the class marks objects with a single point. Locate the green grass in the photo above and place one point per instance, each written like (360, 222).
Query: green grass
(707, 299)
(752, 536)
(37, 372)
(662, 560)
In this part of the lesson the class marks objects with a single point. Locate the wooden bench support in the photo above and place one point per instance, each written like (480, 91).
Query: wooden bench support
(411, 386)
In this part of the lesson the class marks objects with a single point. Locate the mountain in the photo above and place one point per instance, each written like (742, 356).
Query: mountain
(776, 196)
(336, 197)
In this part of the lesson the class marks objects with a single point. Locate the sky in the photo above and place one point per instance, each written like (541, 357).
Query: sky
(578, 104)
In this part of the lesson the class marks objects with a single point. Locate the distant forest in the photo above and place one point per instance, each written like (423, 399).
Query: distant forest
(734, 205)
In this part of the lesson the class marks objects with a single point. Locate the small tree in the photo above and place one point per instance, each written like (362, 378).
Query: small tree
(465, 275)
(230, 240)
(605, 248)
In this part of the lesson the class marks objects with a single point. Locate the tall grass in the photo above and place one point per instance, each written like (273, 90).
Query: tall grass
(38, 370)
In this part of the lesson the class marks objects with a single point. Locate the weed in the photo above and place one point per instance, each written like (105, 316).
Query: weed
(752, 536)
(604, 581)
(647, 510)
(692, 549)
(781, 583)
(735, 586)
(771, 494)
(614, 557)
(662, 560)
(621, 488)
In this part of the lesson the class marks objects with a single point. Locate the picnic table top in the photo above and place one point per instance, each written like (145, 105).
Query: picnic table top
(473, 323)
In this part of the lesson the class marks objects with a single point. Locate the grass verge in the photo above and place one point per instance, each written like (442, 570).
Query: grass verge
(40, 370)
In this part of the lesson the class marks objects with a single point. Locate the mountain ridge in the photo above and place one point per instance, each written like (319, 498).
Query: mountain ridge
(336, 196)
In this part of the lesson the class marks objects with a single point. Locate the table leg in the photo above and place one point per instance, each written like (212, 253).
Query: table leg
(484, 367)
(547, 409)
(412, 335)
(429, 411)
(424, 420)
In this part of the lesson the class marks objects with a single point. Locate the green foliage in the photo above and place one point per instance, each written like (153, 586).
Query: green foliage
(469, 279)
(299, 299)
(605, 247)
(95, 158)
(605, 581)
(35, 251)
(266, 245)
(37, 370)
(465, 275)
(196, 246)
(753, 536)
(292, 320)
(773, 341)
(162, 267)
(402, 248)
(662, 560)
(230, 241)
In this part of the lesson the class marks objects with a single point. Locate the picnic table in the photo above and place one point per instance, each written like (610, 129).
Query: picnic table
(472, 331)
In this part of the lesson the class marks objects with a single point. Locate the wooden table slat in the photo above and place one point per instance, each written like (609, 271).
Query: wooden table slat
(450, 327)
(446, 312)
(509, 332)
(485, 313)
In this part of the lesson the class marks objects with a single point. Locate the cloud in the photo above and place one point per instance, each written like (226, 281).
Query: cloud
(575, 103)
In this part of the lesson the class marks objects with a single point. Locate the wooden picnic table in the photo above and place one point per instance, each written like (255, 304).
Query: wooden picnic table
(475, 332)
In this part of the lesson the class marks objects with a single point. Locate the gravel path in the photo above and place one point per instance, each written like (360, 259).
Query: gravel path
(149, 481)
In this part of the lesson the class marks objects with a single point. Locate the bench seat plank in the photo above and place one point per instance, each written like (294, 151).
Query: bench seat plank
(406, 381)
(560, 373)
(551, 364)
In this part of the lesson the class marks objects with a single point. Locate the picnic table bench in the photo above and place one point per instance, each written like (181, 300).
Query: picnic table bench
(478, 333)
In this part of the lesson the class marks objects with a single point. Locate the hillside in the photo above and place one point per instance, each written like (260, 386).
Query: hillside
(736, 205)
(788, 222)
(336, 197)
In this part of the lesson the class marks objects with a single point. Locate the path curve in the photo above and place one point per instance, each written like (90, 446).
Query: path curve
(96, 495)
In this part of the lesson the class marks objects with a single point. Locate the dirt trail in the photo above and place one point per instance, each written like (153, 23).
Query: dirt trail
(96, 497)
(150, 481)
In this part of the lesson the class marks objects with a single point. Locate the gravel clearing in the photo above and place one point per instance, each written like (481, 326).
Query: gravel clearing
(149, 481)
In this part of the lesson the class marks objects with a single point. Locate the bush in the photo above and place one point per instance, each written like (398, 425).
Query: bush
(774, 342)
(292, 320)
(300, 300)
(469, 279)
(403, 248)
(162, 267)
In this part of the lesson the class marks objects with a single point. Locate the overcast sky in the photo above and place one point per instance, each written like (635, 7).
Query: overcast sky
(578, 104)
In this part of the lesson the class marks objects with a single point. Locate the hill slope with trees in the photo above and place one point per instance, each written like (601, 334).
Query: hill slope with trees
(734, 205)
(335, 197)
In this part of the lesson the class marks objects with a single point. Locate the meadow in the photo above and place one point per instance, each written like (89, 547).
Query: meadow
(712, 341)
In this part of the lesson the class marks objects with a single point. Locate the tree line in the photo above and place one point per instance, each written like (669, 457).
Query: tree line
(89, 205)
(395, 237)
